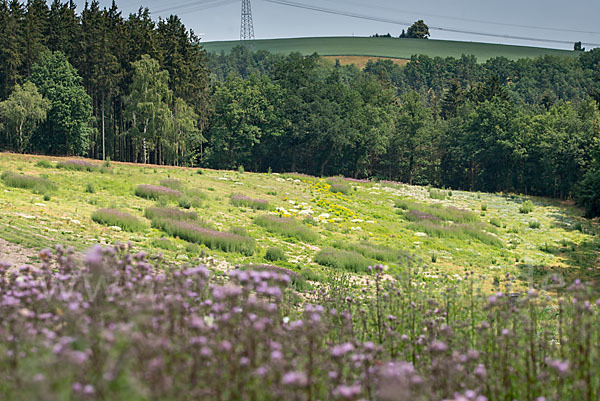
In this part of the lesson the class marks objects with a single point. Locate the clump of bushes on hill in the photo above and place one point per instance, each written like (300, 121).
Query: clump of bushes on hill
(526, 207)
(438, 194)
(198, 233)
(242, 200)
(415, 211)
(373, 251)
(79, 165)
(164, 243)
(38, 185)
(286, 226)
(274, 254)
(459, 231)
(192, 198)
(44, 164)
(350, 261)
(338, 185)
(118, 218)
(157, 192)
(172, 213)
(172, 183)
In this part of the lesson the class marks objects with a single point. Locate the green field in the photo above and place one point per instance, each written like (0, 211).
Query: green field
(389, 47)
(487, 232)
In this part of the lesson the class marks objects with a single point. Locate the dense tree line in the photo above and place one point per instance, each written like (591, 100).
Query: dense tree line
(97, 51)
(98, 84)
(528, 126)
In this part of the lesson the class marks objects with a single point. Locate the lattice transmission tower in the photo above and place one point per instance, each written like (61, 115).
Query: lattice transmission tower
(247, 27)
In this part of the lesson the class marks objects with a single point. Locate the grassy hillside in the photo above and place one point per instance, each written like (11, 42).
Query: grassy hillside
(389, 47)
(361, 224)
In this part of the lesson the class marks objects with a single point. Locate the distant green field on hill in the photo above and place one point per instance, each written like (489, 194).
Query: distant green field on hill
(389, 47)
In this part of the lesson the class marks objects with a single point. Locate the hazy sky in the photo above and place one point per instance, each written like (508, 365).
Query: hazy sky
(509, 17)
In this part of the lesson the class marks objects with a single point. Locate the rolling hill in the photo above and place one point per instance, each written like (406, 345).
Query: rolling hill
(389, 48)
(446, 229)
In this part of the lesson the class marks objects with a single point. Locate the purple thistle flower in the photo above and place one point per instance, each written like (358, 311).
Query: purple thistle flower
(294, 379)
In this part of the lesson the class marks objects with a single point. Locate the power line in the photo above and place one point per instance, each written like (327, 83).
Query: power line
(398, 22)
(371, 6)
(194, 6)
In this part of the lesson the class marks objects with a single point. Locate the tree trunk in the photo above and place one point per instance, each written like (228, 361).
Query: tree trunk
(325, 162)
(103, 143)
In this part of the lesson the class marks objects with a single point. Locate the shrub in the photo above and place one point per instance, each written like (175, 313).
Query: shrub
(483, 207)
(44, 164)
(38, 185)
(275, 253)
(286, 226)
(338, 185)
(370, 250)
(115, 217)
(196, 193)
(172, 183)
(239, 231)
(78, 165)
(164, 243)
(172, 213)
(213, 239)
(192, 198)
(340, 259)
(242, 200)
(534, 224)
(496, 222)
(420, 211)
(311, 274)
(437, 194)
(89, 188)
(156, 192)
(459, 231)
(526, 207)
(185, 202)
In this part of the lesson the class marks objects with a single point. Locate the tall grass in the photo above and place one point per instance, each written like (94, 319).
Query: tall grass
(79, 165)
(274, 254)
(351, 261)
(338, 185)
(449, 213)
(460, 231)
(213, 239)
(36, 184)
(370, 250)
(242, 200)
(156, 192)
(192, 198)
(286, 226)
(526, 207)
(44, 164)
(115, 217)
(438, 194)
(164, 243)
(172, 183)
(172, 213)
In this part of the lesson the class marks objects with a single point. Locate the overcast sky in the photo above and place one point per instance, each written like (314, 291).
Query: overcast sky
(574, 20)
